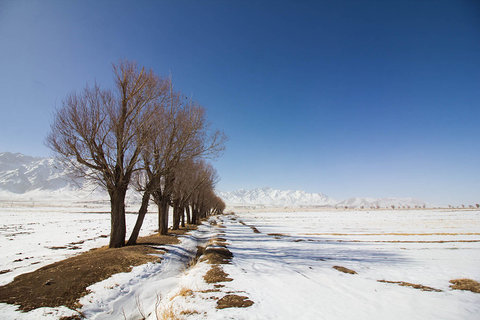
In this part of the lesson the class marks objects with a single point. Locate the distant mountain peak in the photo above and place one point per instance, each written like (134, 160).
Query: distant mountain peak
(269, 197)
(23, 175)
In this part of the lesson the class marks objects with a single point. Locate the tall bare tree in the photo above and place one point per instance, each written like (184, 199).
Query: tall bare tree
(180, 134)
(101, 134)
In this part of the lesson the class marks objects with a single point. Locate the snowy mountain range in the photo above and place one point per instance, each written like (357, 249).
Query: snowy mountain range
(272, 197)
(268, 197)
(26, 177)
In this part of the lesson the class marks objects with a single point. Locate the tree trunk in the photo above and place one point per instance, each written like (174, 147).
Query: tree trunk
(195, 215)
(118, 226)
(187, 209)
(182, 215)
(163, 216)
(141, 215)
(176, 216)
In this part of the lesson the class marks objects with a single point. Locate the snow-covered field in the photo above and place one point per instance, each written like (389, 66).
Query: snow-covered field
(285, 269)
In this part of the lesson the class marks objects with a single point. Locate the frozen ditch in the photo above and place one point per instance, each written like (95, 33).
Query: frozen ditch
(136, 295)
(132, 295)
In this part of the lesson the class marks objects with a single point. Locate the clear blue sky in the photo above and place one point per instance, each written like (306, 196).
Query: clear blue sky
(348, 98)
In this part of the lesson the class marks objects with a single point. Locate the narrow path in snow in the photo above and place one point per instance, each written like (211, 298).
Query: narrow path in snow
(135, 295)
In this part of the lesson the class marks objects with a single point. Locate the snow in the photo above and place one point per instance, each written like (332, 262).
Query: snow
(296, 279)
(287, 275)
(30, 239)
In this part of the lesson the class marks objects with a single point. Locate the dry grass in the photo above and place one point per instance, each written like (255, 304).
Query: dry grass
(159, 239)
(168, 313)
(465, 284)
(210, 290)
(217, 241)
(344, 270)
(412, 285)
(182, 230)
(233, 301)
(64, 282)
(216, 274)
(217, 255)
(184, 292)
(254, 229)
(277, 234)
(189, 312)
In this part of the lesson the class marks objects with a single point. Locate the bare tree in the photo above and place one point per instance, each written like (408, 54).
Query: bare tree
(180, 135)
(188, 138)
(101, 133)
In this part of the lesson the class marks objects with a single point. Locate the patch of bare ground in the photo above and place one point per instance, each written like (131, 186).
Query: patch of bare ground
(64, 282)
(254, 229)
(189, 312)
(210, 290)
(5, 271)
(216, 274)
(465, 284)
(344, 270)
(167, 314)
(183, 230)
(184, 292)
(157, 239)
(217, 255)
(412, 285)
(234, 301)
(277, 235)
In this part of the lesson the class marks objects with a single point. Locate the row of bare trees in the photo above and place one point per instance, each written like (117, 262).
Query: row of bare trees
(141, 134)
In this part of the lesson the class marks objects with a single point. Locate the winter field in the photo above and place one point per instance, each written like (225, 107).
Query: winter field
(282, 262)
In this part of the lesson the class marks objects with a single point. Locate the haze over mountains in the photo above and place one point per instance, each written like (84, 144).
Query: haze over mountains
(26, 177)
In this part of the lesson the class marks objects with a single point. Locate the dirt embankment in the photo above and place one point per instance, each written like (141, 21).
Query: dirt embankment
(64, 282)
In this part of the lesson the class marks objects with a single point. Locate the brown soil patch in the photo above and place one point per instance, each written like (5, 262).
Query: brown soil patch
(465, 284)
(217, 255)
(5, 271)
(344, 270)
(255, 230)
(182, 230)
(252, 227)
(216, 274)
(413, 285)
(217, 241)
(210, 290)
(189, 312)
(277, 235)
(157, 239)
(233, 301)
(64, 282)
